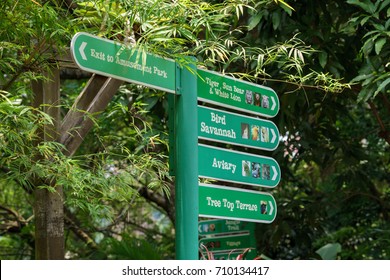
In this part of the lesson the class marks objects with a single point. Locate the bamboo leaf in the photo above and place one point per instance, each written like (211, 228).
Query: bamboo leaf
(323, 59)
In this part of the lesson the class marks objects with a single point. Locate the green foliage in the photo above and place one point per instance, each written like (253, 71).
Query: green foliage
(130, 249)
(14, 248)
(31, 35)
(335, 163)
(374, 74)
(329, 251)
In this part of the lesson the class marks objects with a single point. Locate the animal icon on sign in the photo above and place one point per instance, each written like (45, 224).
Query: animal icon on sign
(263, 207)
(249, 97)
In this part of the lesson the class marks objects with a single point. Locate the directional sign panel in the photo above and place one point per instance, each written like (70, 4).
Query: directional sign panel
(224, 227)
(230, 128)
(237, 167)
(112, 59)
(228, 92)
(230, 242)
(236, 204)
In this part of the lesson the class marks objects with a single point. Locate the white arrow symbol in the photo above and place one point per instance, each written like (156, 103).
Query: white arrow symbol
(271, 208)
(273, 136)
(81, 49)
(273, 103)
(275, 173)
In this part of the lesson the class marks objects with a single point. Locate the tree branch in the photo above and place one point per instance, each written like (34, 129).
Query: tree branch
(70, 222)
(384, 133)
(69, 5)
(386, 101)
(160, 200)
(147, 230)
(18, 217)
(13, 225)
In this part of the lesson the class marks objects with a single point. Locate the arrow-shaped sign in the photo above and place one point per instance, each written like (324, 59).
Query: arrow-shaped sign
(236, 204)
(222, 226)
(229, 242)
(228, 92)
(113, 59)
(231, 128)
(237, 167)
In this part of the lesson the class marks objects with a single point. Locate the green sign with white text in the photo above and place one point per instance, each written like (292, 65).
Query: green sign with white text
(219, 89)
(113, 59)
(237, 167)
(229, 242)
(231, 128)
(224, 227)
(236, 204)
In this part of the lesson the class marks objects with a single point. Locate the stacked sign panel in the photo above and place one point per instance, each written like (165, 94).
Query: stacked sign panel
(227, 239)
(231, 165)
(218, 89)
(231, 128)
(234, 203)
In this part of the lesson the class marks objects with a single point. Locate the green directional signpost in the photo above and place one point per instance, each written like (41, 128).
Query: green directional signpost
(222, 126)
(112, 59)
(236, 204)
(215, 88)
(237, 167)
(189, 85)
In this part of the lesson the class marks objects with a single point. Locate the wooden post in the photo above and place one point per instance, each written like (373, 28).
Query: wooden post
(92, 100)
(48, 208)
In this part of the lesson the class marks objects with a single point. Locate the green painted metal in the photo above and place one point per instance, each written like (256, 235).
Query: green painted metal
(172, 132)
(113, 59)
(186, 169)
(219, 89)
(236, 204)
(222, 226)
(228, 242)
(225, 127)
(237, 167)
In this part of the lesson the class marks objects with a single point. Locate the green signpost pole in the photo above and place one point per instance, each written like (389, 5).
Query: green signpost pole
(186, 167)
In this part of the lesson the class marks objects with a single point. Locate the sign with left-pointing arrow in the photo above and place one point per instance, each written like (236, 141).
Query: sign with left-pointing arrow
(113, 59)
(236, 204)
